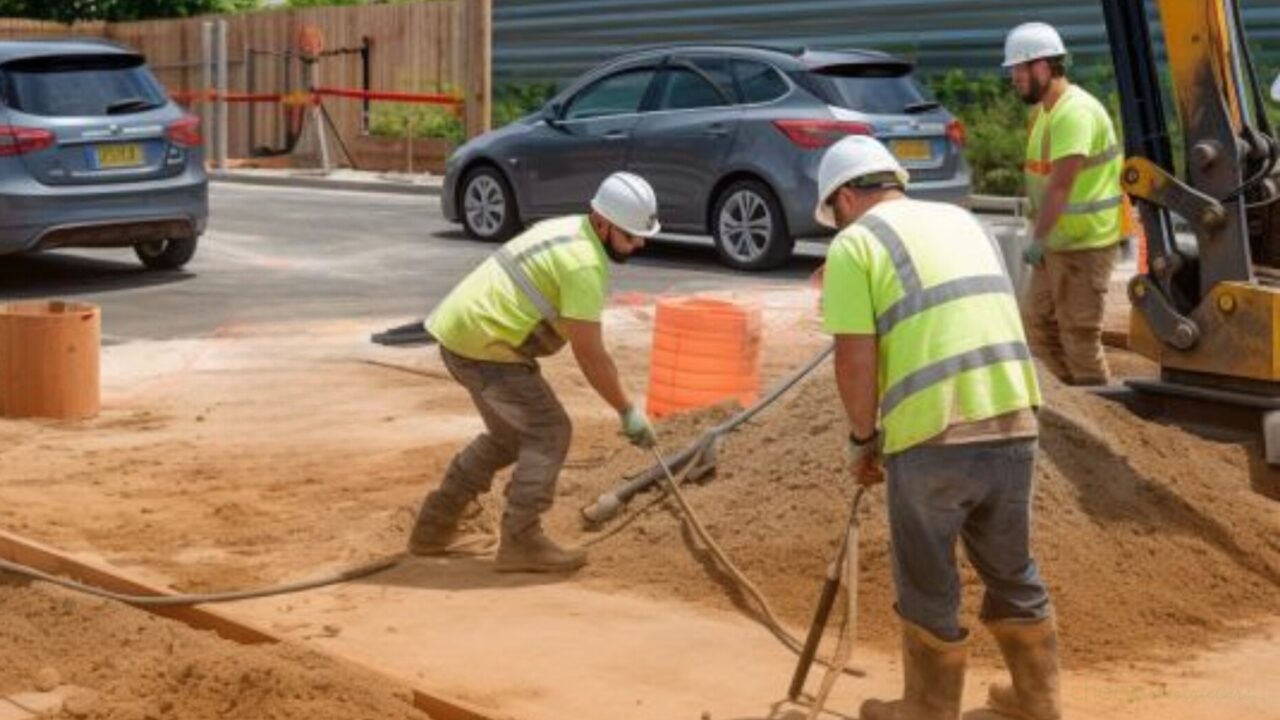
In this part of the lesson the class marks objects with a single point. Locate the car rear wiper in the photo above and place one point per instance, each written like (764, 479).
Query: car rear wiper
(916, 108)
(133, 104)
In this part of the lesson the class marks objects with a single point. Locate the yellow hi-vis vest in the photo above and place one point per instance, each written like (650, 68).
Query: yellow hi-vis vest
(951, 344)
(1077, 125)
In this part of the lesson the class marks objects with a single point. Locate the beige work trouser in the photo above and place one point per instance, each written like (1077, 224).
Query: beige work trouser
(1064, 312)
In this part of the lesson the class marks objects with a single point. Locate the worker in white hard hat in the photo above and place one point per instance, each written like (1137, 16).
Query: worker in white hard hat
(543, 289)
(1072, 174)
(940, 394)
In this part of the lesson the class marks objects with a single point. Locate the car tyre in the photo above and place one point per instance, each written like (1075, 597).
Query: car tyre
(166, 254)
(488, 206)
(749, 228)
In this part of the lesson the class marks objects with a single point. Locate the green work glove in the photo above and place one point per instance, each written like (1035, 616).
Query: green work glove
(1034, 255)
(637, 428)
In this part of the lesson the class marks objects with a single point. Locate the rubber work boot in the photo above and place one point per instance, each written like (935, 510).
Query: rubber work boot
(530, 550)
(1030, 650)
(934, 679)
(437, 524)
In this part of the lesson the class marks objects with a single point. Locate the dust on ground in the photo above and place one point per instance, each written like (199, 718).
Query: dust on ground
(130, 665)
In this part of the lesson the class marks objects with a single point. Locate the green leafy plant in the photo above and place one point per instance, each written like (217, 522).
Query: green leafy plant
(399, 120)
(513, 101)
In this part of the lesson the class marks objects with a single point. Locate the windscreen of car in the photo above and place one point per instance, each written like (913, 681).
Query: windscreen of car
(872, 89)
(80, 85)
(619, 94)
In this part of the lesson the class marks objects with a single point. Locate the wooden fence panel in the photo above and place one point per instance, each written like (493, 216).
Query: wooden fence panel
(414, 47)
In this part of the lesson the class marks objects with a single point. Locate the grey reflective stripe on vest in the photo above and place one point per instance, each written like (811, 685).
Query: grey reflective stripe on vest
(897, 250)
(1086, 208)
(911, 305)
(915, 298)
(543, 246)
(1101, 158)
(511, 265)
(931, 375)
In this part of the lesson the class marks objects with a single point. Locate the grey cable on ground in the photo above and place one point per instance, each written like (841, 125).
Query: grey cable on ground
(767, 616)
(206, 598)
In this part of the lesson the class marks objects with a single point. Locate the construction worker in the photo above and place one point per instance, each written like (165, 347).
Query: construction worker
(542, 289)
(1072, 175)
(940, 393)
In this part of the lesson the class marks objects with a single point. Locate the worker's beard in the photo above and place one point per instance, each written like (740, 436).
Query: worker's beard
(614, 255)
(1036, 92)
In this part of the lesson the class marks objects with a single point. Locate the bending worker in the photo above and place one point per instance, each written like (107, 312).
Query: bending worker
(1073, 184)
(936, 378)
(541, 289)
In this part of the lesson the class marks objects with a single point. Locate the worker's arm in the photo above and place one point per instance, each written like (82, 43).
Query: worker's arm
(1062, 177)
(587, 340)
(856, 373)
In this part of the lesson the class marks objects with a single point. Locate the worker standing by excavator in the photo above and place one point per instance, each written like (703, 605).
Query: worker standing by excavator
(541, 289)
(935, 377)
(1072, 176)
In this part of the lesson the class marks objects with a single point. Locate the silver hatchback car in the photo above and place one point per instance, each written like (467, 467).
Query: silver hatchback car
(94, 154)
(729, 136)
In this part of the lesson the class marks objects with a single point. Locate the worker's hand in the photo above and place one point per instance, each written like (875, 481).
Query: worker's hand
(865, 461)
(1034, 254)
(637, 428)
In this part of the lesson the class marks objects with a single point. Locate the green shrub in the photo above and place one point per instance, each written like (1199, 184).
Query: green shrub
(513, 101)
(387, 119)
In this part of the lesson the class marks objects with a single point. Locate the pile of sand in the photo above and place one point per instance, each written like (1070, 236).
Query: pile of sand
(137, 666)
(1150, 538)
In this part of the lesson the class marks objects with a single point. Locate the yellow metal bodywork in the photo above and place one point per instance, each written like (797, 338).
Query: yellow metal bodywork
(1239, 328)
(1201, 56)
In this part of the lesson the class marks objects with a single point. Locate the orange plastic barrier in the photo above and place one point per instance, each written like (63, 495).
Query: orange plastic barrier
(49, 360)
(705, 352)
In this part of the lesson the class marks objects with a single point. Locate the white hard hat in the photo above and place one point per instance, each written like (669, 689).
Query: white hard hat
(853, 157)
(628, 201)
(1275, 89)
(1032, 41)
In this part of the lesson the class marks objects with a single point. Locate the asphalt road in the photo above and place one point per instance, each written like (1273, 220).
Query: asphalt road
(280, 254)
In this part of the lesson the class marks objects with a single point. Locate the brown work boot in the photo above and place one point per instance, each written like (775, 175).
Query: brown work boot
(530, 550)
(934, 674)
(1030, 650)
(437, 532)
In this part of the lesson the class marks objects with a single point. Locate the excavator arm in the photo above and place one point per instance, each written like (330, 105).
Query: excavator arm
(1207, 311)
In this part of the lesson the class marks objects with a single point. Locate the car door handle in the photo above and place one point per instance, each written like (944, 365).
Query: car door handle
(716, 130)
(616, 135)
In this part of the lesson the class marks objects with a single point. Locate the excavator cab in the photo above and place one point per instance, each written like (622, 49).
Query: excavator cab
(1207, 312)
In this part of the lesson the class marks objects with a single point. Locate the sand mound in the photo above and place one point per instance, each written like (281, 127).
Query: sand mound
(1150, 538)
(140, 666)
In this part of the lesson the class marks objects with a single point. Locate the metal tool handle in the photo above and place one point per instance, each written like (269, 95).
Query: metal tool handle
(830, 589)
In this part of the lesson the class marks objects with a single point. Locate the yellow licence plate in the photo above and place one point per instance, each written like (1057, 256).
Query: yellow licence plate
(120, 155)
(912, 149)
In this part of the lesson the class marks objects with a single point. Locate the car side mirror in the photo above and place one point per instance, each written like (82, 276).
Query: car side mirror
(551, 114)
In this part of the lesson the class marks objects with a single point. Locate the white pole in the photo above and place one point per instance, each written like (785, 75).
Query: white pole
(206, 82)
(222, 94)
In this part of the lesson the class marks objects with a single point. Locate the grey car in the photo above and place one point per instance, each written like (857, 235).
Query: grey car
(729, 136)
(94, 154)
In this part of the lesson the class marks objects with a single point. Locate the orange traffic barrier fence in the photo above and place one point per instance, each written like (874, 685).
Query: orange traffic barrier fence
(705, 352)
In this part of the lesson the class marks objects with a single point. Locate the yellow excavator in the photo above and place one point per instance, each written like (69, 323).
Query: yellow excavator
(1208, 312)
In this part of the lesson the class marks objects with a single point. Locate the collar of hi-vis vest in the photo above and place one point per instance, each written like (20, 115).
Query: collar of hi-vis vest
(512, 263)
(917, 299)
(1038, 169)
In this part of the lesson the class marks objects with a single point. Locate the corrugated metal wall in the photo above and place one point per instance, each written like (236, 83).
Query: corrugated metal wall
(557, 39)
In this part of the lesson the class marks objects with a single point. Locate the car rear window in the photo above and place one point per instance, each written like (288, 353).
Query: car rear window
(873, 89)
(77, 86)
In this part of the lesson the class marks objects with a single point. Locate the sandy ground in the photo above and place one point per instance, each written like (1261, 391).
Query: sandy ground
(274, 453)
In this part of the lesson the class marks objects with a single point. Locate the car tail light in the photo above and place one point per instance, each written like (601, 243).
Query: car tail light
(185, 132)
(814, 134)
(956, 133)
(22, 140)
